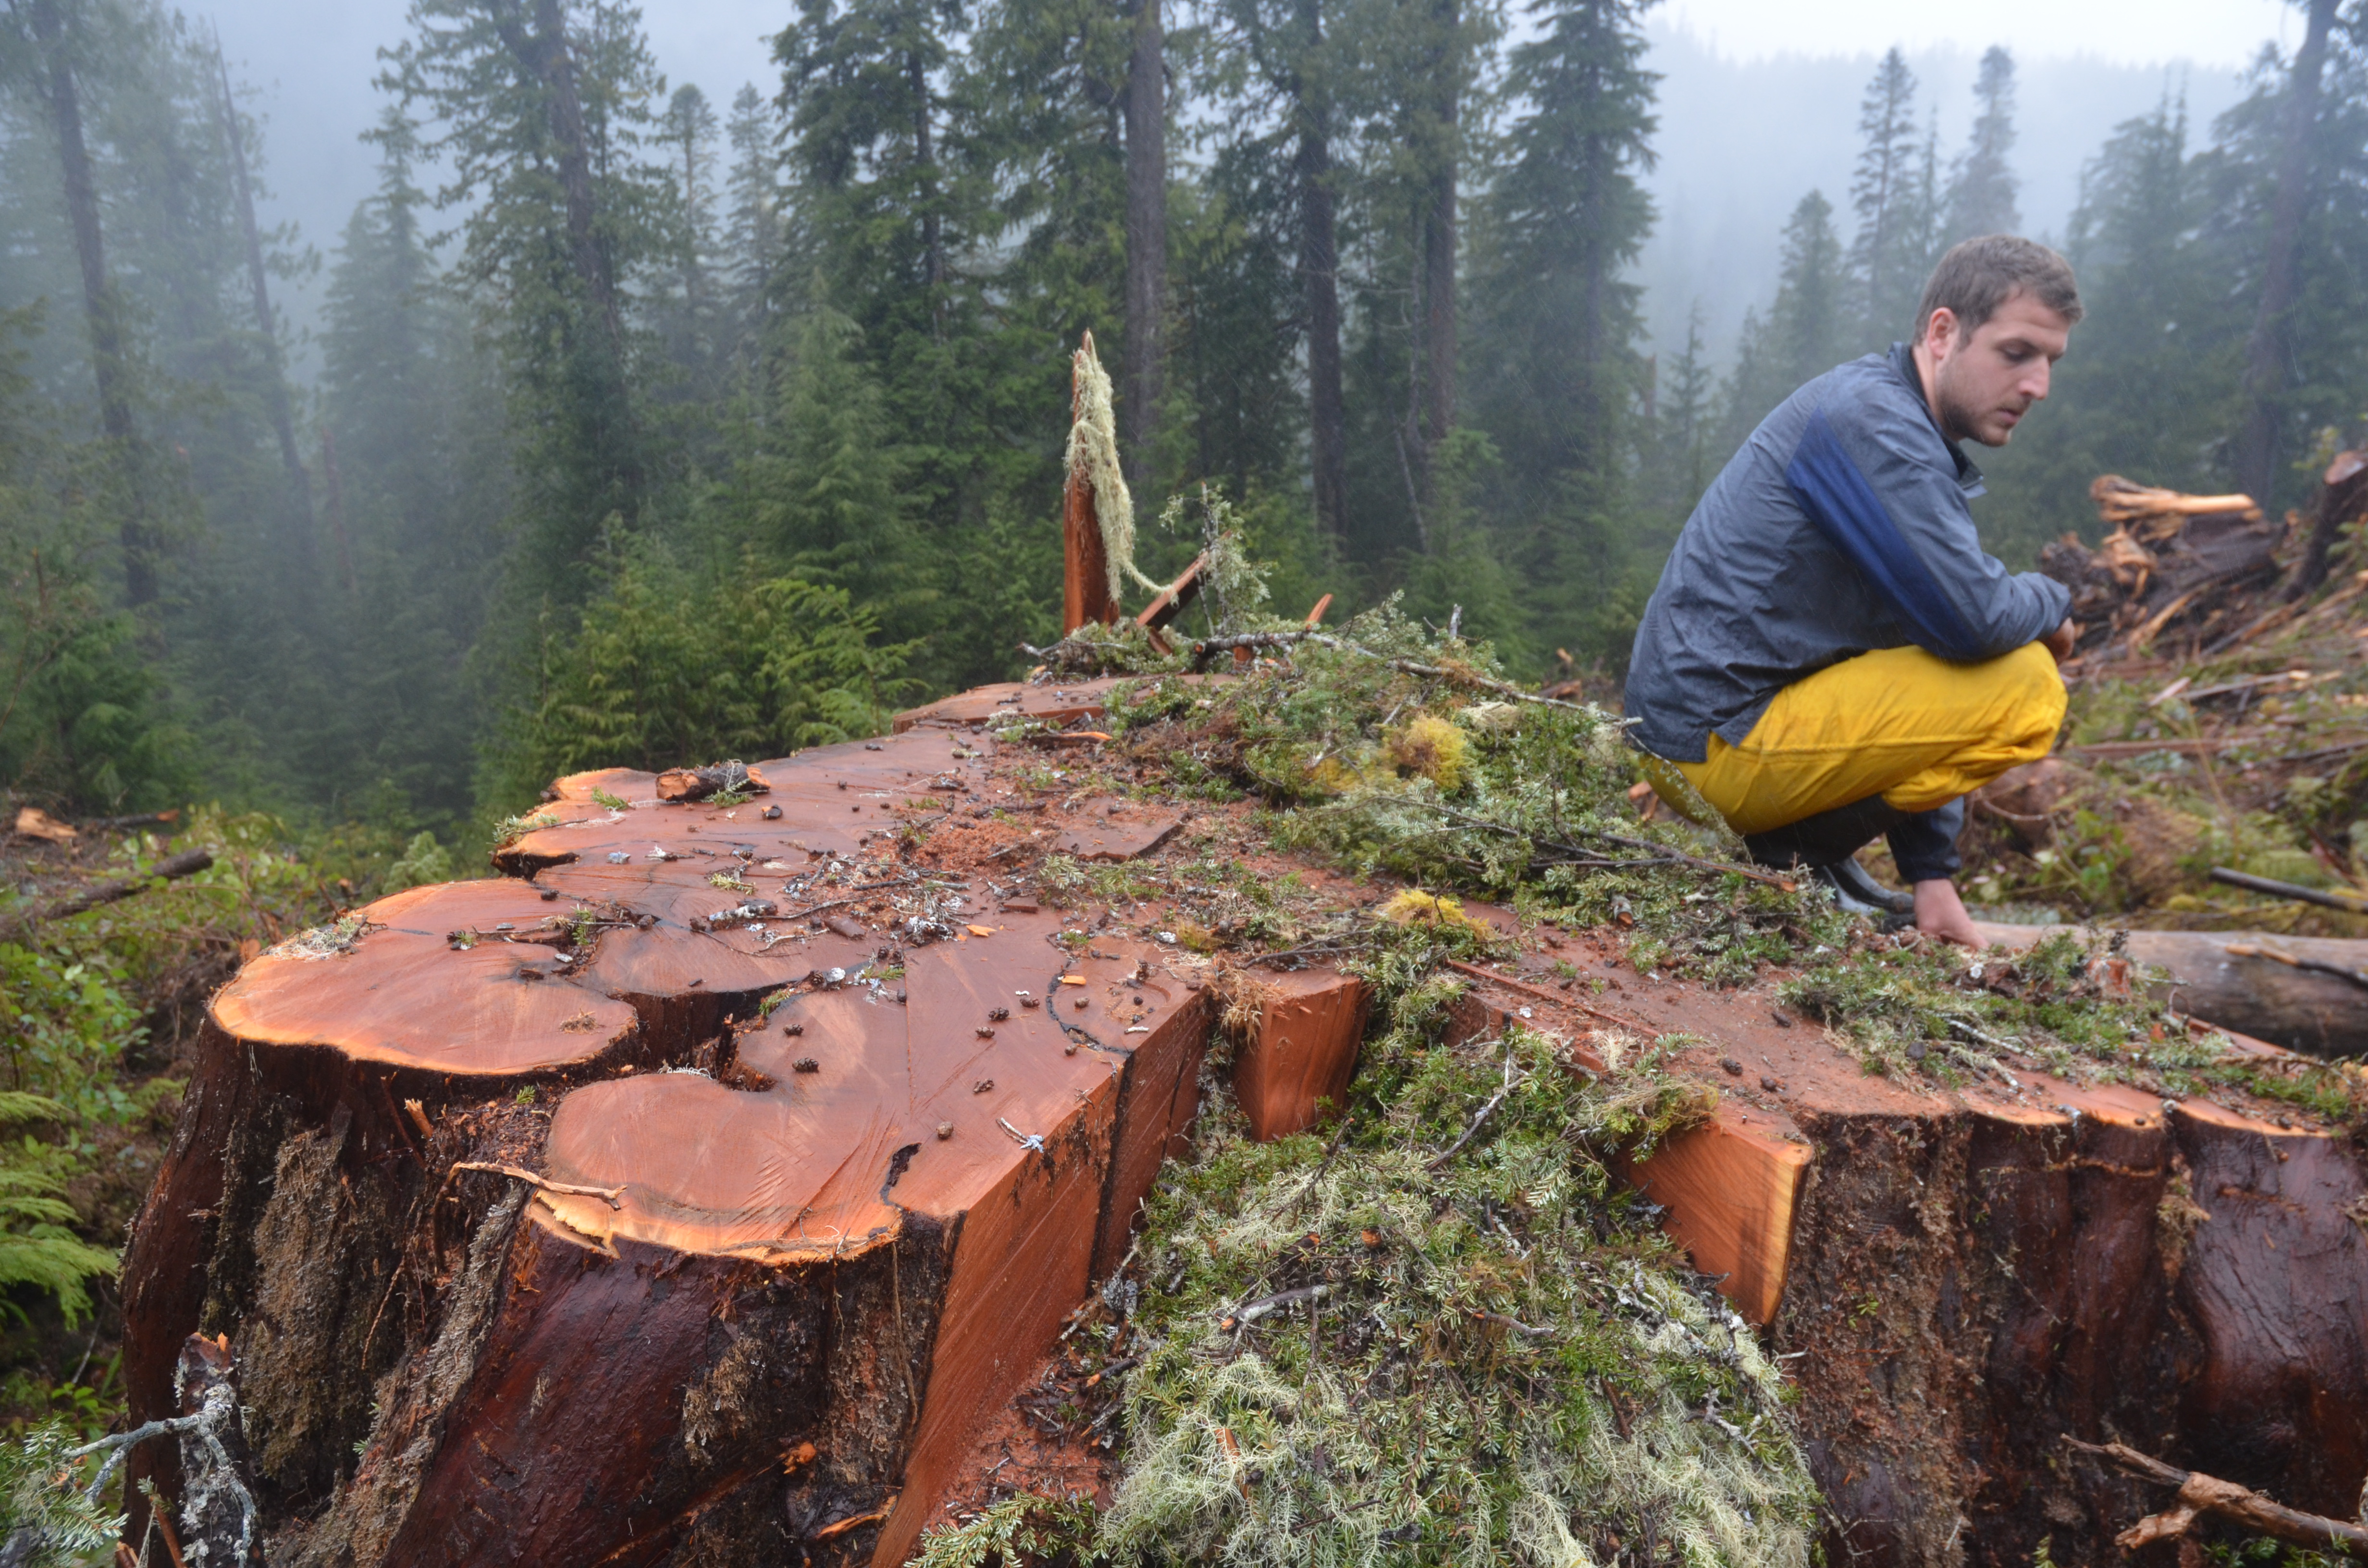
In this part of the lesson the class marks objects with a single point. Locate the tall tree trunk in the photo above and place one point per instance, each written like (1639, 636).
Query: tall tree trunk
(283, 422)
(542, 52)
(1439, 235)
(1147, 242)
(933, 258)
(2265, 354)
(1319, 270)
(336, 498)
(104, 310)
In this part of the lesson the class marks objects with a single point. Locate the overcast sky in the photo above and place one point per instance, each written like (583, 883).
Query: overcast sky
(311, 65)
(2123, 32)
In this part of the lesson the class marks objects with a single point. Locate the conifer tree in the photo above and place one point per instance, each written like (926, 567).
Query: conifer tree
(542, 110)
(687, 132)
(1885, 254)
(1556, 379)
(1282, 70)
(1806, 332)
(1682, 432)
(1982, 184)
(2295, 178)
(756, 238)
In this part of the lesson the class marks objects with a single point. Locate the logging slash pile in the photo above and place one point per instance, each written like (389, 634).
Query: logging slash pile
(2219, 717)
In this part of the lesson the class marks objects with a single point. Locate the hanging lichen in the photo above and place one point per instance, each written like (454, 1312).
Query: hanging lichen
(1093, 449)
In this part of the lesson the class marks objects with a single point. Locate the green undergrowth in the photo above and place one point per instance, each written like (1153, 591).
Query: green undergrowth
(1389, 1348)
(1401, 752)
(2072, 1006)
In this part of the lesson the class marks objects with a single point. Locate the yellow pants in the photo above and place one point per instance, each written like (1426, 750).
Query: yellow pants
(1899, 723)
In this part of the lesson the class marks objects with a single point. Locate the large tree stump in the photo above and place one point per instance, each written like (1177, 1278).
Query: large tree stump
(610, 1216)
(1960, 1275)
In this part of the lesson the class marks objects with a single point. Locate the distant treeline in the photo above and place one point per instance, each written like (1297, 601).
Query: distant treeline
(656, 431)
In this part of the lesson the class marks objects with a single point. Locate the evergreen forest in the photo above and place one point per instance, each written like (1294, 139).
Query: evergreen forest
(651, 425)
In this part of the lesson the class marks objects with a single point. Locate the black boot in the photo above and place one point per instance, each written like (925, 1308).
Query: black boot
(1828, 837)
(1861, 893)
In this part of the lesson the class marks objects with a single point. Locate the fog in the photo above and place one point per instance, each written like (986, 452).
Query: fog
(1754, 115)
(1742, 141)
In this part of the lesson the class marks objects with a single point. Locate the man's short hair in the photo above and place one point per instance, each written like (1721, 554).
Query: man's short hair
(1978, 275)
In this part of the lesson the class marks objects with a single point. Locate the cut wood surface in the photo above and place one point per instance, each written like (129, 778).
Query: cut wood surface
(1119, 830)
(1301, 1051)
(857, 1180)
(1013, 699)
(2249, 990)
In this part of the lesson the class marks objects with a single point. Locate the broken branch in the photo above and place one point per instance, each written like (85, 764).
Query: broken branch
(2350, 903)
(2200, 1494)
(613, 1196)
(186, 863)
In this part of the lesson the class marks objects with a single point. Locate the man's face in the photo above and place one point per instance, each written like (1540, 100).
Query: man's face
(1986, 381)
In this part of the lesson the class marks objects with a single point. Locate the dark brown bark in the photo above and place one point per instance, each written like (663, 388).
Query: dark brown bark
(283, 422)
(1146, 242)
(1319, 269)
(103, 310)
(2266, 352)
(2343, 498)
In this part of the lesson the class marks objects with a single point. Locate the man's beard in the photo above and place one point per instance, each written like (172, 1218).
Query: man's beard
(1958, 416)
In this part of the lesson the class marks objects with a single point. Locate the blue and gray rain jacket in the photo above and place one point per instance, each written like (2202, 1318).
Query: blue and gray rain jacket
(1840, 527)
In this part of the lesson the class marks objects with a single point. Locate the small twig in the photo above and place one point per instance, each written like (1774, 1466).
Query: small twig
(1516, 1325)
(1485, 1112)
(613, 1196)
(1031, 1141)
(1251, 1311)
(853, 1521)
(2296, 960)
(2200, 1494)
(1330, 1149)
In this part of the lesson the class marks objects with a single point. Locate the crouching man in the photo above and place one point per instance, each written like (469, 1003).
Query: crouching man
(1831, 656)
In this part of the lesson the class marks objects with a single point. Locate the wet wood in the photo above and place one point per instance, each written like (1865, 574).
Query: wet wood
(1085, 561)
(1118, 830)
(1294, 1068)
(436, 1166)
(2200, 1494)
(2246, 981)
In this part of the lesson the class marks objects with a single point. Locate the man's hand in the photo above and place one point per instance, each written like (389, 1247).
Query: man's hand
(1940, 912)
(2060, 641)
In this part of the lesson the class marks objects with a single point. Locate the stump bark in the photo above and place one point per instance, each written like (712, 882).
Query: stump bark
(619, 1209)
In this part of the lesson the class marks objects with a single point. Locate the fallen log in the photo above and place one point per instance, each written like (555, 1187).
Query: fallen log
(22, 919)
(2290, 990)
(2350, 902)
(2200, 1494)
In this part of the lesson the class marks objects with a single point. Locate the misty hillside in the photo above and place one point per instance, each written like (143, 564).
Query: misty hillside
(400, 399)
